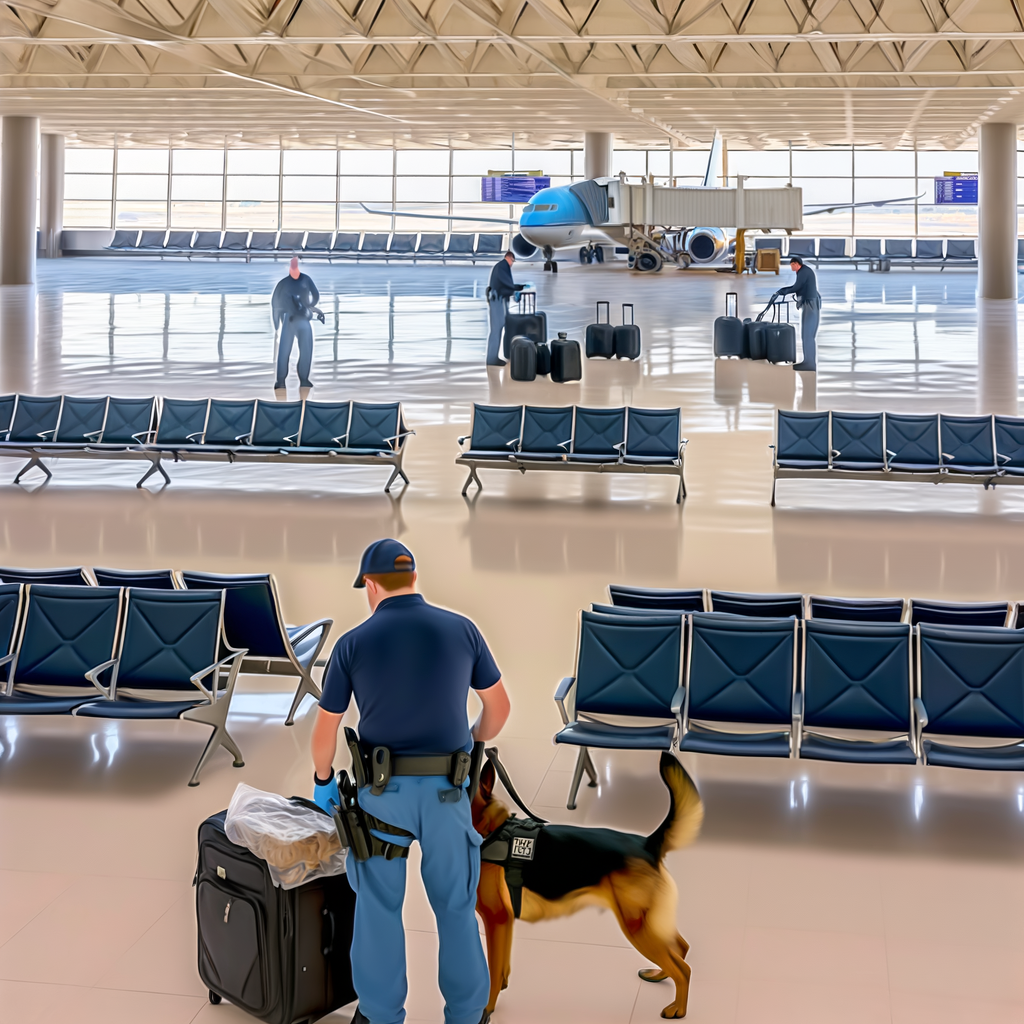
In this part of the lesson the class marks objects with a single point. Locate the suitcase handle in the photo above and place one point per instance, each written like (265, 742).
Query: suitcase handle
(607, 311)
(329, 945)
(527, 306)
(732, 303)
(631, 319)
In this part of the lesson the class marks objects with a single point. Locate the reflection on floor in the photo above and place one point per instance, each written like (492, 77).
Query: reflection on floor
(816, 892)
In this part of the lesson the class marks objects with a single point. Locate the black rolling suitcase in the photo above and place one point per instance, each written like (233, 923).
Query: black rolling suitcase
(543, 359)
(600, 340)
(779, 337)
(566, 363)
(526, 321)
(730, 331)
(523, 359)
(627, 336)
(281, 955)
(754, 341)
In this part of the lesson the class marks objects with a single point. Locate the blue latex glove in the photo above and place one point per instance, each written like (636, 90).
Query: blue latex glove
(517, 296)
(326, 793)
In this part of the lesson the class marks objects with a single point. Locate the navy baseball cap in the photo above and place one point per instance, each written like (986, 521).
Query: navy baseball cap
(384, 556)
(796, 259)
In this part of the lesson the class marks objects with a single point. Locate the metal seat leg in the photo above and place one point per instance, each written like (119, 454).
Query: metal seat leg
(472, 478)
(588, 766)
(577, 777)
(155, 467)
(32, 463)
(306, 685)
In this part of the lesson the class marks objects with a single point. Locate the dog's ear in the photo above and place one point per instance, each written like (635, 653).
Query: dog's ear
(487, 780)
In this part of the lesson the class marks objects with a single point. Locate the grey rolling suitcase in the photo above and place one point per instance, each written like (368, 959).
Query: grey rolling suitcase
(526, 321)
(627, 336)
(566, 364)
(600, 339)
(523, 359)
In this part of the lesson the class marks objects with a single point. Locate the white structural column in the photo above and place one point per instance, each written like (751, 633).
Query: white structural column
(597, 154)
(51, 194)
(997, 211)
(19, 168)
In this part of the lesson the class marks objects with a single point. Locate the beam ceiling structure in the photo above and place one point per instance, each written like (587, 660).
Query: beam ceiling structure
(469, 73)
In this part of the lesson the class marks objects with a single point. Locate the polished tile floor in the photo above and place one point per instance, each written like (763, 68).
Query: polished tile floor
(816, 892)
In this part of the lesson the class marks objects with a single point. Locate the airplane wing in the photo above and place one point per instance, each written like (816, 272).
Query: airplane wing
(440, 216)
(854, 206)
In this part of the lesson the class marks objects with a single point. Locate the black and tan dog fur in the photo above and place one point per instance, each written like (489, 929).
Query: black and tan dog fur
(577, 867)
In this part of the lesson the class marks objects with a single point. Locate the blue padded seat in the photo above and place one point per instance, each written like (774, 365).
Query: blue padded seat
(954, 613)
(802, 440)
(374, 242)
(496, 431)
(490, 245)
(803, 247)
(35, 420)
(402, 242)
(627, 667)
(153, 239)
(739, 671)
(254, 621)
(868, 249)
(318, 241)
(207, 241)
(967, 444)
(768, 243)
(148, 710)
(857, 676)
(857, 441)
(229, 422)
(960, 249)
(929, 249)
(375, 427)
(831, 248)
(1010, 445)
(431, 242)
(971, 683)
(459, 245)
(71, 577)
(657, 600)
(912, 443)
(652, 436)
(770, 606)
(235, 241)
(346, 241)
(900, 248)
(129, 421)
(180, 240)
(614, 609)
(325, 425)
(124, 239)
(66, 633)
(262, 241)
(10, 617)
(277, 424)
(857, 609)
(152, 579)
(7, 403)
(182, 421)
(598, 435)
(547, 433)
(290, 241)
(81, 420)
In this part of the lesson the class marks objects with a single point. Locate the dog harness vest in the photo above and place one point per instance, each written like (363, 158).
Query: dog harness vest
(513, 845)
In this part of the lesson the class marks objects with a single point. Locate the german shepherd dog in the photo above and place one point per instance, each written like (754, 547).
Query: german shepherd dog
(576, 867)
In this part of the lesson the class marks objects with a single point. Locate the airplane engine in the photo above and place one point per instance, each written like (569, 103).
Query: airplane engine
(707, 245)
(522, 248)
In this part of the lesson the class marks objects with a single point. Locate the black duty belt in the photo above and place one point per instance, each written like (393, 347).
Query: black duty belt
(431, 764)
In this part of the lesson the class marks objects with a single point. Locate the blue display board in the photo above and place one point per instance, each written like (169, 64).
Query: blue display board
(960, 189)
(511, 189)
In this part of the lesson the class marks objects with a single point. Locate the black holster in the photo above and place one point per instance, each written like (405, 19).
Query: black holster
(354, 827)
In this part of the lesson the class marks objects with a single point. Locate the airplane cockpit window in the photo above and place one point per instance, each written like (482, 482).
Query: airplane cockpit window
(541, 207)
(529, 209)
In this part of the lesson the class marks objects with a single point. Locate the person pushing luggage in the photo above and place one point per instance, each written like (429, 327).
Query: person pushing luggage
(808, 301)
(410, 667)
(293, 307)
(500, 288)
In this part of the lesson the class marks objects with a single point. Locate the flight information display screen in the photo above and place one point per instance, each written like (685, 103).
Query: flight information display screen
(958, 188)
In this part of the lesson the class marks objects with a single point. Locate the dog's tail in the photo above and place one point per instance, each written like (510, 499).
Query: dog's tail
(685, 813)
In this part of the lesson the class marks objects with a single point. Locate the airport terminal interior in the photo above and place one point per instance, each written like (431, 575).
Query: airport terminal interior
(162, 162)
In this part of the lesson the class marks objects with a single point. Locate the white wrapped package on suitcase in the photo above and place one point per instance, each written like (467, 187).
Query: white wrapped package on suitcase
(297, 842)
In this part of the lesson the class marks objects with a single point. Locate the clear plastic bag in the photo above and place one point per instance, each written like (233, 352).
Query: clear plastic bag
(297, 842)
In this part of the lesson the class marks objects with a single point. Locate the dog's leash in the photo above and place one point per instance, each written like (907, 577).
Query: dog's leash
(499, 768)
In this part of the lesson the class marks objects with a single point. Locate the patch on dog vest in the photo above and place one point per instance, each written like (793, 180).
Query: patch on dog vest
(522, 847)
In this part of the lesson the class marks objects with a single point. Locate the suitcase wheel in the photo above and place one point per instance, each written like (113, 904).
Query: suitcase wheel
(214, 998)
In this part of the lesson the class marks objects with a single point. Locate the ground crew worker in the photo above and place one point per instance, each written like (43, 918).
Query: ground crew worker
(500, 289)
(293, 307)
(410, 667)
(808, 301)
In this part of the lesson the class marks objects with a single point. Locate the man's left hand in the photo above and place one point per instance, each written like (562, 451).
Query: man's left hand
(326, 793)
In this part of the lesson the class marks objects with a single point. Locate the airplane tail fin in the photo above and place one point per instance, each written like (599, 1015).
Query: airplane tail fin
(714, 169)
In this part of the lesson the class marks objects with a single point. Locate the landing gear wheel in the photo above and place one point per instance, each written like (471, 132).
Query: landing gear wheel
(214, 998)
(648, 262)
(598, 254)
(584, 254)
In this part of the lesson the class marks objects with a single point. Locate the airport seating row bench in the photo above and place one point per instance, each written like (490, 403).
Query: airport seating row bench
(936, 448)
(882, 254)
(814, 688)
(202, 429)
(315, 244)
(119, 653)
(574, 439)
(253, 615)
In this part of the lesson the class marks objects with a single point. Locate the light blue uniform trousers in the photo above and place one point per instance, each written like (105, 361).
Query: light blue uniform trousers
(450, 870)
(496, 311)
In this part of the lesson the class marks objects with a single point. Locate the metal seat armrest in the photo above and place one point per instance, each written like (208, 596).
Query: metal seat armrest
(144, 436)
(462, 440)
(1005, 458)
(292, 439)
(565, 687)
(341, 437)
(798, 707)
(775, 454)
(920, 722)
(43, 433)
(398, 437)
(196, 679)
(683, 442)
(92, 433)
(621, 449)
(247, 438)
(9, 685)
(199, 433)
(110, 692)
(676, 707)
(311, 628)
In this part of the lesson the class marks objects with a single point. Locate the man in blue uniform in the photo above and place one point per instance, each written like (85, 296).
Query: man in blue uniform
(293, 307)
(808, 301)
(500, 289)
(410, 667)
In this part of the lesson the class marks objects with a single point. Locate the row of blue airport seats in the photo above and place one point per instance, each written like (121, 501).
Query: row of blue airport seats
(618, 440)
(898, 446)
(954, 249)
(253, 615)
(179, 429)
(309, 243)
(818, 689)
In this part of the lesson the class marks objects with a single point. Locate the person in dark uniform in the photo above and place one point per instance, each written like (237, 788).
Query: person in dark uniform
(293, 307)
(410, 667)
(500, 289)
(808, 301)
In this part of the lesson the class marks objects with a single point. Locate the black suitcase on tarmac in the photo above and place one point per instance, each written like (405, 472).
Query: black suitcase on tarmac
(627, 336)
(523, 359)
(729, 337)
(526, 321)
(281, 955)
(780, 343)
(600, 340)
(543, 359)
(566, 363)
(754, 341)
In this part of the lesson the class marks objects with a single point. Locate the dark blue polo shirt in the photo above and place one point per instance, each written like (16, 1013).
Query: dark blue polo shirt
(410, 666)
